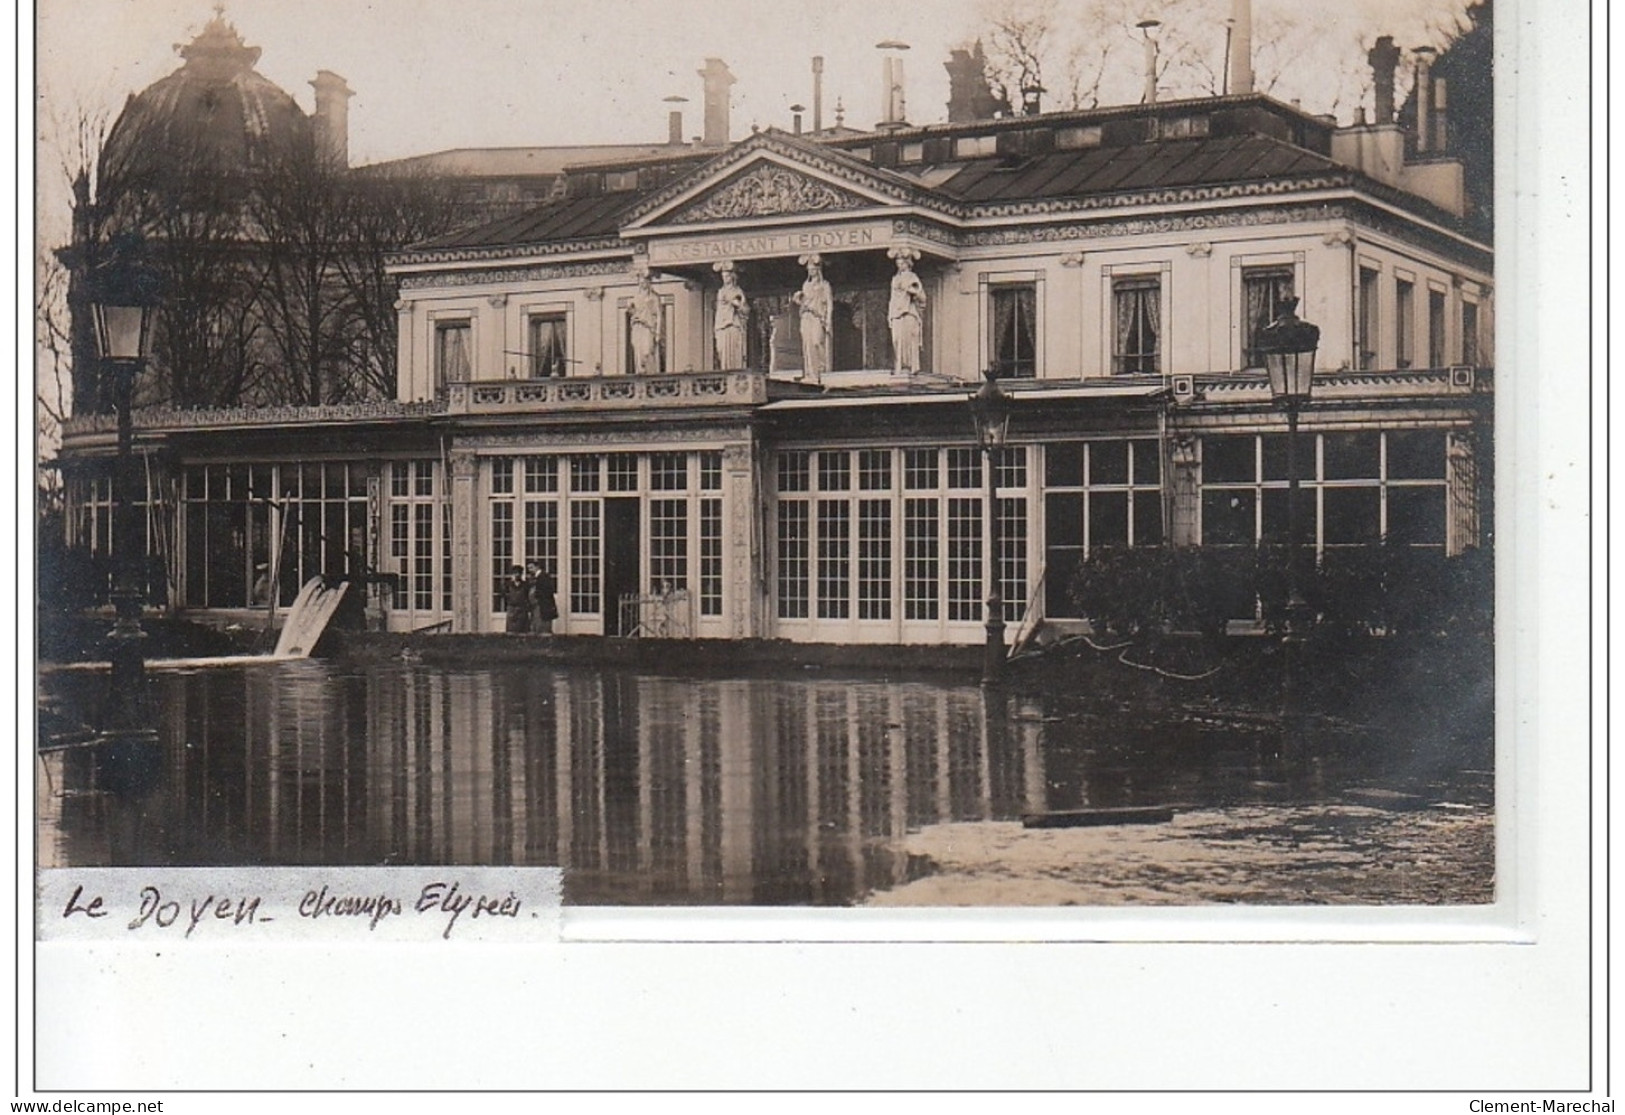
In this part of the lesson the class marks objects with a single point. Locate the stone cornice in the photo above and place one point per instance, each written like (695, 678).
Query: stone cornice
(1252, 204)
(491, 275)
(1344, 385)
(431, 256)
(166, 419)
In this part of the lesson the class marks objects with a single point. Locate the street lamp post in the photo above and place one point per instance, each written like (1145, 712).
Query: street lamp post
(123, 303)
(1288, 345)
(991, 409)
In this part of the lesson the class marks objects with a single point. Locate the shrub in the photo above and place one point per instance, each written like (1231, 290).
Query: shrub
(1384, 588)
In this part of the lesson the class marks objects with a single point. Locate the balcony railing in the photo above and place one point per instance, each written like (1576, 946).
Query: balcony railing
(687, 389)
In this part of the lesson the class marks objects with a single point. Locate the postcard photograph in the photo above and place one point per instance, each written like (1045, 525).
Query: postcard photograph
(1017, 454)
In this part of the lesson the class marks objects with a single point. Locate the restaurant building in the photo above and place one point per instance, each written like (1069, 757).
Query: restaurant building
(721, 390)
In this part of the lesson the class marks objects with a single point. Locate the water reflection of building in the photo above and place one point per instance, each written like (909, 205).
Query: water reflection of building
(1114, 265)
(644, 789)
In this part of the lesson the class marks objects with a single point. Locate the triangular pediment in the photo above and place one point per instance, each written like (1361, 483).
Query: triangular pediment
(767, 189)
(774, 176)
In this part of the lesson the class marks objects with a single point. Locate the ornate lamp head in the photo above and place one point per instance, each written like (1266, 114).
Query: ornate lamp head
(1288, 345)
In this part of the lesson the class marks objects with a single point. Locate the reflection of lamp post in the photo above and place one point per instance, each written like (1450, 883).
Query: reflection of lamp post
(123, 302)
(1288, 345)
(991, 409)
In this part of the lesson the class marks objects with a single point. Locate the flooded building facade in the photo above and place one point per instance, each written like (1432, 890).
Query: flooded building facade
(723, 392)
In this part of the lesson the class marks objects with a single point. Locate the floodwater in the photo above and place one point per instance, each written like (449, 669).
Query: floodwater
(801, 790)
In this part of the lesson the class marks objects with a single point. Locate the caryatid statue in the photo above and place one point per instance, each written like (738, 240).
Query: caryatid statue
(644, 325)
(817, 303)
(906, 313)
(732, 311)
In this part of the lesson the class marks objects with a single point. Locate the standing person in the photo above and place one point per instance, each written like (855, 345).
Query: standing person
(906, 313)
(544, 604)
(817, 302)
(732, 310)
(517, 597)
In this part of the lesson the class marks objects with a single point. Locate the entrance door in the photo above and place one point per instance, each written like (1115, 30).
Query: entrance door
(621, 549)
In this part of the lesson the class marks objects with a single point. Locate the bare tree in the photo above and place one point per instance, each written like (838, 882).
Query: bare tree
(383, 212)
(1019, 37)
(298, 228)
(1092, 52)
(192, 216)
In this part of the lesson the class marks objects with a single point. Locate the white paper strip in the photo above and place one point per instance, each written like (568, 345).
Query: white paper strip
(246, 905)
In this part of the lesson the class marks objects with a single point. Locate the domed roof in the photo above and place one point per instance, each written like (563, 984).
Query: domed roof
(214, 115)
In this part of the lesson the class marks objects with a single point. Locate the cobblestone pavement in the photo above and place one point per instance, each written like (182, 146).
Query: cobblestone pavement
(1323, 854)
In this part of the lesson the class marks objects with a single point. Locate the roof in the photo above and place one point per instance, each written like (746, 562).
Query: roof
(1257, 146)
(581, 218)
(216, 115)
(1161, 165)
(969, 183)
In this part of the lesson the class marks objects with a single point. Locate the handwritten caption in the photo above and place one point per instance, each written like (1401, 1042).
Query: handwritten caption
(237, 905)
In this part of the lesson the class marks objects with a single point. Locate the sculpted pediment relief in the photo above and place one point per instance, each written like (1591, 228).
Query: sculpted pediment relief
(767, 190)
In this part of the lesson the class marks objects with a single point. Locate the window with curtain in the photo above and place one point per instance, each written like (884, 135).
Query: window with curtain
(1404, 323)
(1262, 289)
(548, 346)
(453, 352)
(1369, 324)
(1015, 330)
(1137, 310)
(1436, 357)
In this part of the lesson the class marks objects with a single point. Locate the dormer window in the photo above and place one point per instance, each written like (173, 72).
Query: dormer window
(1070, 139)
(1184, 127)
(975, 147)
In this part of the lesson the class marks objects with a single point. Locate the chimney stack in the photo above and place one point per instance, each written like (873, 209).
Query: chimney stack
(969, 95)
(1241, 47)
(894, 109)
(332, 119)
(795, 117)
(1441, 118)
(718, 79)
(1384, 59)
(818, 93)
(1424, 98)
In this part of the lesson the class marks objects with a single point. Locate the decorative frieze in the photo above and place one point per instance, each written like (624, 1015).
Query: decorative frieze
(608, 392)
(485, 276)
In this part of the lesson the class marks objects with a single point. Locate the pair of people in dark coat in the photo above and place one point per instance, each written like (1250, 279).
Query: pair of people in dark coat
(532, 600)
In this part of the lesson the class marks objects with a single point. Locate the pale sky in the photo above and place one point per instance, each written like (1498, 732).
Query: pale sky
(432, 74)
